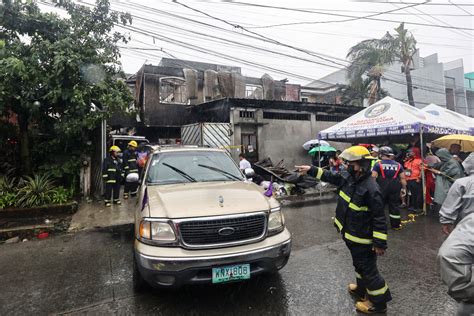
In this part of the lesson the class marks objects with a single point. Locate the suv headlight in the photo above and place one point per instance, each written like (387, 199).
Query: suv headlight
(157, 231)
(276, 221)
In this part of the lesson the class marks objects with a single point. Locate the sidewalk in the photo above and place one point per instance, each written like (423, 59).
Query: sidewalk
(96, 215)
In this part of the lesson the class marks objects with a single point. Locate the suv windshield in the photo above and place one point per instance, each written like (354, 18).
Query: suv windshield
(192, 166)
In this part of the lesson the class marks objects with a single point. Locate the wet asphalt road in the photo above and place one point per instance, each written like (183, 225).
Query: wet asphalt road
(90, 272)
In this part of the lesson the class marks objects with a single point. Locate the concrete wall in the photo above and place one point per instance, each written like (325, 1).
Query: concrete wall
(280, 139)
(454, 71)
(428, 84)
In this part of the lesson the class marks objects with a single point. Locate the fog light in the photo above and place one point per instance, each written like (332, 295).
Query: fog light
(165, 279)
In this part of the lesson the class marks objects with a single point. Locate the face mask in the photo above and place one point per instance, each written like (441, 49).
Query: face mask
(351, 170)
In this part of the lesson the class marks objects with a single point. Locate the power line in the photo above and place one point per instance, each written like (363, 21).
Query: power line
(340, 21)
(460, 8)
(341, 15)
(458, 32)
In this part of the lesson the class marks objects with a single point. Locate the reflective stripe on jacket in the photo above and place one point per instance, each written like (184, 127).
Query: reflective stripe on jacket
(130, 164)
(360, 215)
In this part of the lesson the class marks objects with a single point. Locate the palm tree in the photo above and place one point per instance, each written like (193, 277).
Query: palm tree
(369, 57)
(358, 91)
(402, 45)
(368, 60)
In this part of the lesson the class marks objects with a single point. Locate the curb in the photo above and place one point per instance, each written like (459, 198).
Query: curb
(41, 211)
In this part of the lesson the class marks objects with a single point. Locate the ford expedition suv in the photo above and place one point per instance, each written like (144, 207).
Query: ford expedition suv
(198, 220)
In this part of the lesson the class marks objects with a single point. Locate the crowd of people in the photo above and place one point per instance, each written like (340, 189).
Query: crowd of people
(400, 170)
(360, 213)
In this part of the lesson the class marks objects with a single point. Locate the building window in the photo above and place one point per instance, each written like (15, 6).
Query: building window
(286, 116)
(173, 90)
(247, 114)
(304, 99)
(330, 118)
(450, 99)
(253, 92)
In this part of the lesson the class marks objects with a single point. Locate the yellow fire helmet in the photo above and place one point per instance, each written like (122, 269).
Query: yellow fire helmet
(115, 148)
(356, 153)
(133, 143)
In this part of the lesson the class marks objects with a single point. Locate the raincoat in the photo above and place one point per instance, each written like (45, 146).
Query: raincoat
(456, 255)
(456, 264)
(460, 200)
(450, 167)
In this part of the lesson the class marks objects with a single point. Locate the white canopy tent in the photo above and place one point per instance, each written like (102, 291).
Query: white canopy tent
(390, 120)
(451, 117)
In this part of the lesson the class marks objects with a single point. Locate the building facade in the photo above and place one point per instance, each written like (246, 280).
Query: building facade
(433, 82)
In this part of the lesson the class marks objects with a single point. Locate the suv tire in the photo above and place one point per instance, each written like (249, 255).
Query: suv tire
(139, 284)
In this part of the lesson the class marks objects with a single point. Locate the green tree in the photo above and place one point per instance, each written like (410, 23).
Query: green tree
(52, 69)
(368, 60)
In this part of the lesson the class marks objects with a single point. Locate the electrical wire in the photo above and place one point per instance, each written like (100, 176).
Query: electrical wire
(334, 14)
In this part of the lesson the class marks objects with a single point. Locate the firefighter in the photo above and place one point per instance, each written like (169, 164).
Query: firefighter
(112, 174)
(360, 218)
(374, 152)
(391, 179)
(130, 170)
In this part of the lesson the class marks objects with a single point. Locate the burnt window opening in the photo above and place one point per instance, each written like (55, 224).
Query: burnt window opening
(330, 118)
(253, 92)
(286, 116)
(173, 90)
(247, 114)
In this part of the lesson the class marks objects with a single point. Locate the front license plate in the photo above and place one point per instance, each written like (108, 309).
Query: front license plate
(231, 273)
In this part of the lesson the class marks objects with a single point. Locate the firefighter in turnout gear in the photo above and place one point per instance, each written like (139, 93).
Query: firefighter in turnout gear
(360, 219)
(130, 168)
(112, 174)
(391, 179)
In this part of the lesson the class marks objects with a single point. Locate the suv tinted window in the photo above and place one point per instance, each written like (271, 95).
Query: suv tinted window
(192, 166)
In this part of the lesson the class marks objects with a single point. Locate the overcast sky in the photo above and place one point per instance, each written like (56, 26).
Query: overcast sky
(240, 33)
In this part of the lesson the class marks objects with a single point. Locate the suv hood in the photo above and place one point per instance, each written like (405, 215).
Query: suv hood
(203, 199)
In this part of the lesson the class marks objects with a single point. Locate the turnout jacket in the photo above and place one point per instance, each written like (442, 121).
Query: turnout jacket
(111, 170)
(130, 164)
(360, 215)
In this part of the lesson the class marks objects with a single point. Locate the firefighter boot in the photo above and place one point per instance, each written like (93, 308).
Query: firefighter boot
(125, 196)
(367, 307)
(352, 289)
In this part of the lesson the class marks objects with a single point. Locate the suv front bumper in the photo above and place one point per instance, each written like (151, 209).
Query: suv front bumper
(174, 267)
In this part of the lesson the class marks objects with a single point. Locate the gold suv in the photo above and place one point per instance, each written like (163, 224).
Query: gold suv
(199, 221)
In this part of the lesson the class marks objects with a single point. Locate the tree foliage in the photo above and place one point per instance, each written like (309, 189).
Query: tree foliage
(52, 69)
(370, 57)
(356, 92)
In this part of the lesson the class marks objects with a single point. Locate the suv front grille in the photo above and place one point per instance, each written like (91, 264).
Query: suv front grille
(202, 233)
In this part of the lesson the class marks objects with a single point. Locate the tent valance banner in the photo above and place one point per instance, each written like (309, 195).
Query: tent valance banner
(389, 117)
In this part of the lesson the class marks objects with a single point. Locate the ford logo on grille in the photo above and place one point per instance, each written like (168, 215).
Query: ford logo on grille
(226, 231)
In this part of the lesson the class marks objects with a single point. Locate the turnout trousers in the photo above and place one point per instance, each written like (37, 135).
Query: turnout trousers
(391, 196)
(369, 281)
(130, 187)
(112, 188)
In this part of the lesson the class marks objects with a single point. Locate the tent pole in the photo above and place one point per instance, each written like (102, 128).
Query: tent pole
(319, 165)
(423, 180)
